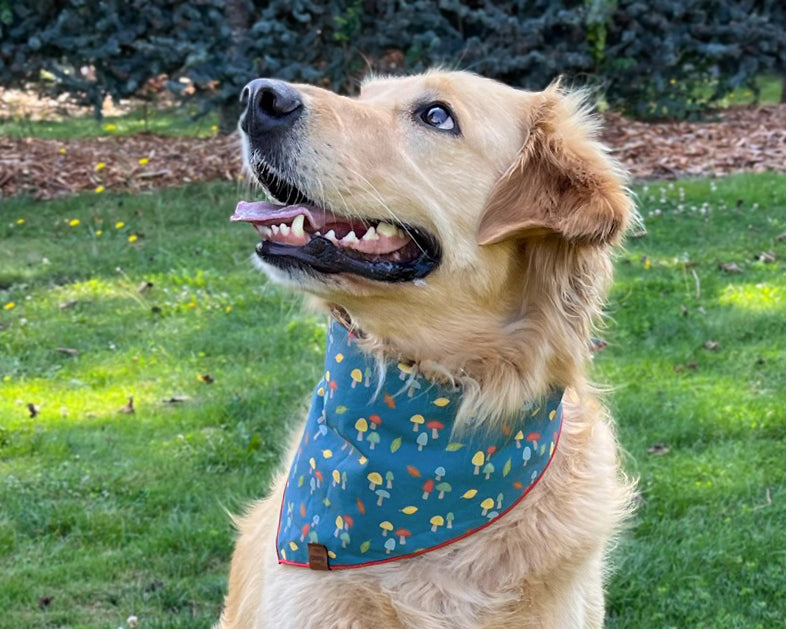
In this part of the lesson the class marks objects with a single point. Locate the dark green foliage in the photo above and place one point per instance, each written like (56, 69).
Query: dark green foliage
(655, 58)
(665, 58)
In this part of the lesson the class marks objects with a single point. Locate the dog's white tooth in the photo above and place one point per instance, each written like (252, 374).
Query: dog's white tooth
(386, 229)
(350, 237)
(331, 235)
(266, 231)
(297, 225)
(274, 229)
(284, 229)
(371, 234)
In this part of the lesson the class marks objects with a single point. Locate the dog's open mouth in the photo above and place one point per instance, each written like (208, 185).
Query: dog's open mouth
(298, 233)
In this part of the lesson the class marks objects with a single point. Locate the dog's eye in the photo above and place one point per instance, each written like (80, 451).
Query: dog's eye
(438, 116)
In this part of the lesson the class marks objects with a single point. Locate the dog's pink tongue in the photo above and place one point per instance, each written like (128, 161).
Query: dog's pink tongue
(265, 212)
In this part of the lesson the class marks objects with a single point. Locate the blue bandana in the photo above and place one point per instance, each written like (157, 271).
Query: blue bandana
(378, 475)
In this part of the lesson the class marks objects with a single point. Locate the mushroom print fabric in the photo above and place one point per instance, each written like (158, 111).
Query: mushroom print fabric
(378, 475)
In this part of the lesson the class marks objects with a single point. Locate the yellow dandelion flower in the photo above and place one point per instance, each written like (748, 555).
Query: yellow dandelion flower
(133, 238)
(9, 306)
(144, 161)
(99, 232)
(228, 309)
(119, 225)
(110, 127)
(100, 166)
(61, 150)
(73, 222)
(100, 189)
(20, 221)
(214, 128)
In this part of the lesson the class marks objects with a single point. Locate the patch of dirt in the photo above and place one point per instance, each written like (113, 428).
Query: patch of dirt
(741, 139)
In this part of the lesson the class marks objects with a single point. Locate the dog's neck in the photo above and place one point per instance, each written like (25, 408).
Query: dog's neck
(379, 439)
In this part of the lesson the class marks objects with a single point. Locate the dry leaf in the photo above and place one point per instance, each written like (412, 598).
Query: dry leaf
(766, 256)
(658, 449)
(145, 286)
(206, 378)
(176, 399)
(129, 407)
(70, 351)
(712, 345)
(781, 237)
(731, 267)
(33, 409)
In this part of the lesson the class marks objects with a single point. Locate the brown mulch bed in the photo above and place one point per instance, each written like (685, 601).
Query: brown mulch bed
(745, 138)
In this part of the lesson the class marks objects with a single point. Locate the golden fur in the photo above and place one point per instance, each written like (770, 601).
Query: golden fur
(528, 207)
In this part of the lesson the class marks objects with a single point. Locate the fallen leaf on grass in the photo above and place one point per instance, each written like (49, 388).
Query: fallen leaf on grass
(129, 407)
(33, 409)
(782, 237)
(145, 286)
(731, 267)
(68, 304)
(176, 399)
(712, 345)
(658, 449)
(70, 351)
(766, 256)
(206, 378)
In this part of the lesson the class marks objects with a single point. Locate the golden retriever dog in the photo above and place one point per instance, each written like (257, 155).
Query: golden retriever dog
(461, 232)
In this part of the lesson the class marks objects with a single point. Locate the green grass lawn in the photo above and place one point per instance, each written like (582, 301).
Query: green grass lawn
(110, 514)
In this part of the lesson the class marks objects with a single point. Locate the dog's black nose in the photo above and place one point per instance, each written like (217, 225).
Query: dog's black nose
(269, 104)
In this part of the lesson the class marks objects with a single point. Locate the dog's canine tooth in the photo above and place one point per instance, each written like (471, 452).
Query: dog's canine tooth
(371, 234)
(331, 235)
(297, 225)
(274, 229)
(284, 229)
(386, 229)
(350, 237)
(266, 232)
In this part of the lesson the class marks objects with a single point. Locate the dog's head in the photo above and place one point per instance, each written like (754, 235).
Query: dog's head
(450, 215)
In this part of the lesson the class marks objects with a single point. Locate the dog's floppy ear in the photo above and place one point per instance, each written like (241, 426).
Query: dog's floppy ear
(562, 181)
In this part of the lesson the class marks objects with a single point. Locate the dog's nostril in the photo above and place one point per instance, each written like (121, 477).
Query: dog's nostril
(269, 104)
(277, 102)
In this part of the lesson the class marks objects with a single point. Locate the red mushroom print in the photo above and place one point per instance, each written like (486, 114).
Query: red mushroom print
(348, 522)
(533, 438)
(428, 487)
(333, 386)
(304, 531)
(374, 421)
(435, 426)
(489, 451)
(402, 535)
(319, 477)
